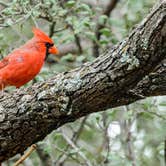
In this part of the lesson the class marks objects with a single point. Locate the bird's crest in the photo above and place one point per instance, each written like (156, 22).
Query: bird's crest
(41, 35)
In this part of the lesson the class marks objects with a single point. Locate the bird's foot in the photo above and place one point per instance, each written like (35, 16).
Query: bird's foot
(2, 92)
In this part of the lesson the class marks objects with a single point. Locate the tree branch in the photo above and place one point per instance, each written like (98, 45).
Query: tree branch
(76, 36)
(73, 48)
(112, 4)
(133, 70)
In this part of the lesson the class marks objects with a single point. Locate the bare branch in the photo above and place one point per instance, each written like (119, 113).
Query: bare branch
(76, 36)
(106, 12)
(72, 47)
(44, 156)
(74, 138)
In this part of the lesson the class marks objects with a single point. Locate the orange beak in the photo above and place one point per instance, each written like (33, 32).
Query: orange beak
(53, 50)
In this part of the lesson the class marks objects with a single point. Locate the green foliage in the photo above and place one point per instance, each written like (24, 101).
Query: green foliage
(142, 124)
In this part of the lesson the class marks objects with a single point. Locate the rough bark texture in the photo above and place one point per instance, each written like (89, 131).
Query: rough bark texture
(133, 70)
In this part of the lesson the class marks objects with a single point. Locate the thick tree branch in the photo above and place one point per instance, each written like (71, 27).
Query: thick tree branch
(133, 70)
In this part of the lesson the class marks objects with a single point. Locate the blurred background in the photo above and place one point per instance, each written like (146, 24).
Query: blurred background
(133, 135)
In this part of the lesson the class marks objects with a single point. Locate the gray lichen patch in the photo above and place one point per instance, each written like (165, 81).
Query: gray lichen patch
(67, 82)
(26, 98)
(46, 94)
(2, 114)
(1, 108)
(70, 111)
(42, 95)
(4, 145)
(133, 63)
(131, 60)
(64, 102)
(23, 107)
(145, 44)
(127, 56)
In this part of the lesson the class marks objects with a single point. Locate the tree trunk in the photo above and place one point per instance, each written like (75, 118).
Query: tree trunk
(133, 70)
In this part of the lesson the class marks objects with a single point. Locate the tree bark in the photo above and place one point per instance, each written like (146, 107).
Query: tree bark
(132, 70)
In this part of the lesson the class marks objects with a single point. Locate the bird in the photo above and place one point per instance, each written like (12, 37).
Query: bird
(24, 63)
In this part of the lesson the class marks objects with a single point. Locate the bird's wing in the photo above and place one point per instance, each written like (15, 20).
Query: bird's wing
(4, 62)
(14, 58)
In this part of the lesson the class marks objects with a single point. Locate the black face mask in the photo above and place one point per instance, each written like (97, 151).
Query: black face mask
(48, 45)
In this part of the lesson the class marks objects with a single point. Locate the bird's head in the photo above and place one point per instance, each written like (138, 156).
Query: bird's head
(46, 41)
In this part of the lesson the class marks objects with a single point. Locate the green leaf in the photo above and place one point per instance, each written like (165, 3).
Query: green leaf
(103, 42)
(1, 36)
(85, 7)
(81, 58)
(9, 22)
(106, 32)
(102, 19)
(91, 35)
(87, 24)
(70, 3)
(162, 104)
(69, 57)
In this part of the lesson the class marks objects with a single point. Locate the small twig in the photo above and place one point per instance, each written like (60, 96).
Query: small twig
(106, 137)
(59, 30)
(74, 138)
(17, 21)
(47, 18)
(3, 4)
(67, 154)
(33, 19)
(72, 48)
(129, 144)
(71, 143)
(156, 114)
(77, 38)
(152, 112)
(165, 151)
(44, 156)
(51, 29)
(77, 133)
(106, 12)
(136, 94)
(32, 148)
(24, 17)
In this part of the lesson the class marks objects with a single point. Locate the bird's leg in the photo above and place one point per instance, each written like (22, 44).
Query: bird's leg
(26, 155)
(2, 89)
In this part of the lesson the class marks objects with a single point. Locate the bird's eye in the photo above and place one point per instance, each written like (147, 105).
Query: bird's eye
(48, 45)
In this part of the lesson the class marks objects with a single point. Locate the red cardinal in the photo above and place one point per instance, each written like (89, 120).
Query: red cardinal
(24, 63)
